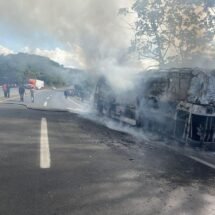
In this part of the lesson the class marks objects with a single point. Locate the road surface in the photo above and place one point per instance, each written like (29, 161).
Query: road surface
(62, 163)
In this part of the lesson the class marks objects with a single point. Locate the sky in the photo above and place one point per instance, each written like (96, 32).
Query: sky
(86, 34)
(75, 33)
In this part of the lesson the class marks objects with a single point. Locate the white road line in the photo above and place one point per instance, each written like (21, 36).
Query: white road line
(45, 104)
(202, 161)
(77, 104)
(199, 160)
(45, 161)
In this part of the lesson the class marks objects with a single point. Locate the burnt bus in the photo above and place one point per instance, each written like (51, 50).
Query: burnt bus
(113, 102)
(158, 96)
(169, 102)
(195, 124)
(179, 103)
(104, 98)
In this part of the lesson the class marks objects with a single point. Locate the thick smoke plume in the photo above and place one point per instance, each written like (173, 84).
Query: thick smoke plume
(91, 28)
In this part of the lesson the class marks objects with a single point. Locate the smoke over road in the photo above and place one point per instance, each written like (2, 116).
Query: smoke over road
(91, 28)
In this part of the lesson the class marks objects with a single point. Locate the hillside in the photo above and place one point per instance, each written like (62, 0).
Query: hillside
(17, 68)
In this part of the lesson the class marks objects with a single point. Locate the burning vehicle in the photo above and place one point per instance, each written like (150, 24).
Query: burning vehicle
(177, 102)
(114, 103)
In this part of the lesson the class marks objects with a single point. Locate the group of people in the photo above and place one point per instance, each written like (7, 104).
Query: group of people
(22, 93)
(22, 90)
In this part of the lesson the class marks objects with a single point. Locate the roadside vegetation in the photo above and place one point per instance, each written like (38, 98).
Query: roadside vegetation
(174, 32)
(18, 68)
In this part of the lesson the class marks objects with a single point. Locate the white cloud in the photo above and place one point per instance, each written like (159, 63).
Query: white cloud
(63, 57)
(5, 51)
(92, 25)
(71, 59)
(68, 59)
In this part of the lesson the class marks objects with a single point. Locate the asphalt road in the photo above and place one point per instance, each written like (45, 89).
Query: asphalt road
(62, 163)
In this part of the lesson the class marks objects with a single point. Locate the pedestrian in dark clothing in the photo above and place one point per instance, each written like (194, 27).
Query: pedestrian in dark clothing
(32, 95)
(8, 91)
(21, 93)
(65, 94)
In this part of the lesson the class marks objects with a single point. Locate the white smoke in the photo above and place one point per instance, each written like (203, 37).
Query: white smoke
(66, 58)
(92, 27)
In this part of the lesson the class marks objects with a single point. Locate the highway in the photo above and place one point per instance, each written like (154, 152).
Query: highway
(51, 100)
(58, 158)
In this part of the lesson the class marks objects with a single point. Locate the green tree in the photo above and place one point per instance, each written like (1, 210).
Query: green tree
(172, 31)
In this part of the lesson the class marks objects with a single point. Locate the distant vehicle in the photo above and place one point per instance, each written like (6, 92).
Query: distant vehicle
(34, 83)
(178, 103)
(69, 92)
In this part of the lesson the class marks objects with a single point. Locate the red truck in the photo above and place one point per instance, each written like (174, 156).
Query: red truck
(34, 83)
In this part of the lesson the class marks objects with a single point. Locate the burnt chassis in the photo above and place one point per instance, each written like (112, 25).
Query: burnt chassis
(182, 123)
(195, 124)
(112, 108)
(107, 102)
(188, 128)
(177, 121)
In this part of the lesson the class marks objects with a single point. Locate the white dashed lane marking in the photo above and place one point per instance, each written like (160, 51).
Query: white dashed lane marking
(45, 104)
(45, 161)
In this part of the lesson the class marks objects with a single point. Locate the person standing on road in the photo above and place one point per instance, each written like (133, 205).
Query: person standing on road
(32, 94)
(65, 94)
(8, 91)
(21, 93)
(4, 87)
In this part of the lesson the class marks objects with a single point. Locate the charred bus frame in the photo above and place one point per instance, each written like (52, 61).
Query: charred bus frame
(162, 106)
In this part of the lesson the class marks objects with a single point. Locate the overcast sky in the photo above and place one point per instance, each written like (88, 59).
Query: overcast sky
(75, 33)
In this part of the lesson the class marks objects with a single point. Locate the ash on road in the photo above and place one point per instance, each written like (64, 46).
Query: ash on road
(93, 170)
